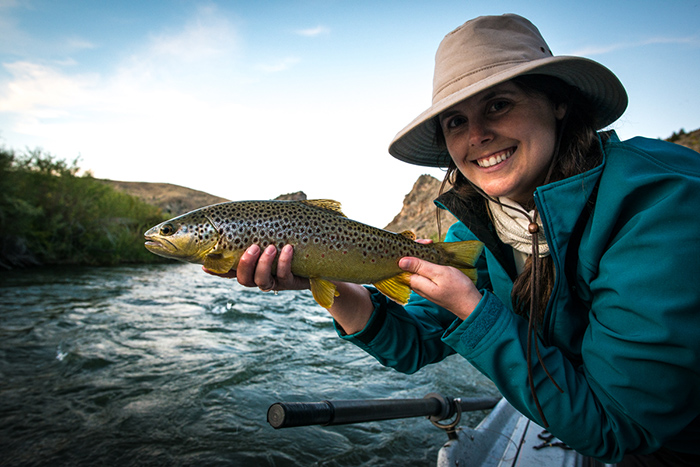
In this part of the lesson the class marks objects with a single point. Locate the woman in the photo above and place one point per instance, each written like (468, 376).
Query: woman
(586, 313)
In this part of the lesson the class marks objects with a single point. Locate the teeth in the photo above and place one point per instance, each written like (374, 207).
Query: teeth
(493, 160)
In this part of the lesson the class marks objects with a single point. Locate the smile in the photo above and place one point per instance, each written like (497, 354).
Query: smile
(495, 159)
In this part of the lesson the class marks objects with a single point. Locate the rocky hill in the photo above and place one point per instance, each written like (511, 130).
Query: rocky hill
(418, 213)
(690, 140)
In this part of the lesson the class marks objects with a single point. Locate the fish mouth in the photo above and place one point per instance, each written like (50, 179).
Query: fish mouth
(158, 244)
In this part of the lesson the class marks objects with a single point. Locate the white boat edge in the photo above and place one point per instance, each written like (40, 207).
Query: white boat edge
(506, 438)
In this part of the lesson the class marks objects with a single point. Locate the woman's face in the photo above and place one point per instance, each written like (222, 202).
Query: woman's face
(502, 139)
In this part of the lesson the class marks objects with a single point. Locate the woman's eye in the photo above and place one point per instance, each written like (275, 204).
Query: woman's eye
(454, 122)
(498, 106)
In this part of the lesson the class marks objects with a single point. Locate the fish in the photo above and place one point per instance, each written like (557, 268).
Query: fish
(328, 246)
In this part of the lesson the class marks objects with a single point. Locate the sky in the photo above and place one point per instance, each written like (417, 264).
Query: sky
(253, 99)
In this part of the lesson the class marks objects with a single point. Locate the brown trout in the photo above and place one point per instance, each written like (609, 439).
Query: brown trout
(327, 245)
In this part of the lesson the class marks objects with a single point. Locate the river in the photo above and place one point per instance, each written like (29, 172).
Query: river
(165, 365)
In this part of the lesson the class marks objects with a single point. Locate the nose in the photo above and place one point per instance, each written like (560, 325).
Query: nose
(479, 132)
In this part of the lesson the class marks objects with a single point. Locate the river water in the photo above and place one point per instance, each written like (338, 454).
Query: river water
(166, 365)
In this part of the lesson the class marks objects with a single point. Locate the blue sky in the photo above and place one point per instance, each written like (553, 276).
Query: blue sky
(249, 100)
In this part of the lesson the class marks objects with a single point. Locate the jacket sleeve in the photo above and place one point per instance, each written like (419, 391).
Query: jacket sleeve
(404, 338)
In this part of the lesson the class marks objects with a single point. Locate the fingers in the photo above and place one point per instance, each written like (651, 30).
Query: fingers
(443, 285)
(245, 271)
(425, 274)
(285, 278)
(264, 277)
(268, 270)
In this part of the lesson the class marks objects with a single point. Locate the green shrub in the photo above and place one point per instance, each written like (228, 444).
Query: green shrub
(51, 215)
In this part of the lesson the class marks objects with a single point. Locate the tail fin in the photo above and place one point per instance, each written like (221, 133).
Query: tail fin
(463, 255)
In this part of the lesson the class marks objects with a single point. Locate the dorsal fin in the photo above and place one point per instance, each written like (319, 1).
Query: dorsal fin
(408, 234)
(327, 204)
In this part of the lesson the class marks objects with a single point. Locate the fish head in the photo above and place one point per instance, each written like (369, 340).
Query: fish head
(189, 237)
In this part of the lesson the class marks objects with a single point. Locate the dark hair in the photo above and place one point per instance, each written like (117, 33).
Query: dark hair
(577, 151)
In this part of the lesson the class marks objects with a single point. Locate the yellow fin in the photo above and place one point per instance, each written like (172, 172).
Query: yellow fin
(219, 259)
(408, 234)
(463, 255)
(324, 291)
(219, 263)
(396, 288)
(327, 204)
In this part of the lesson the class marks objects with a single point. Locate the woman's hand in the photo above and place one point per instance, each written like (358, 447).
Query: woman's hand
(255, 269)
(443, 285)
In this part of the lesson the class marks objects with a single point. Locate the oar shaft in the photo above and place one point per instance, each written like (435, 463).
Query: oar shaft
(291, 414)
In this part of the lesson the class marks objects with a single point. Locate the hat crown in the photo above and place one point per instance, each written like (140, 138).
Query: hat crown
(483, 47)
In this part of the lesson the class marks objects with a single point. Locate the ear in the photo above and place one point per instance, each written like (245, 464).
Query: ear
(560, 111)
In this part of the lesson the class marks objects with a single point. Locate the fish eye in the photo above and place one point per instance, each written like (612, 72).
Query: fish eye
(167, 229)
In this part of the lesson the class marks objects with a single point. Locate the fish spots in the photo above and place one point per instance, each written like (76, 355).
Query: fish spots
(316, 232)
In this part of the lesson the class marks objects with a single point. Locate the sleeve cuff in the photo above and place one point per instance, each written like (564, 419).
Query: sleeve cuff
(464, 336)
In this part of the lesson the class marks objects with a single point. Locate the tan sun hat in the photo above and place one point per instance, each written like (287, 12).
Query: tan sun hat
(490, 50)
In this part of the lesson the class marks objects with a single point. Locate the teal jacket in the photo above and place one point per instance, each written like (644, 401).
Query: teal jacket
(621, 334)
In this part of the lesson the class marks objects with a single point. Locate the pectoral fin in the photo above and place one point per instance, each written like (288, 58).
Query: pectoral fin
(220, 263)
(324, 292)
(396, 288)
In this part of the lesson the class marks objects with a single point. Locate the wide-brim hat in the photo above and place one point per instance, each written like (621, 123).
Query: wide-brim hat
(490, 50)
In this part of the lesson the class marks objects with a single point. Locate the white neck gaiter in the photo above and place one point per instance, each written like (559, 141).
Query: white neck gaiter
(512, 227)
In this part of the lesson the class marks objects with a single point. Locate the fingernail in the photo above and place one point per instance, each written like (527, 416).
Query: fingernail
(405, 263)
(271, 250)
(253, 250)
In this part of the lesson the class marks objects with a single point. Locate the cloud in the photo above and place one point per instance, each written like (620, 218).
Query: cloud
(282, 65)
(35, 88)
(174, 66)
(590, 51)
(313, 32)
(77, 43)
(207, 36)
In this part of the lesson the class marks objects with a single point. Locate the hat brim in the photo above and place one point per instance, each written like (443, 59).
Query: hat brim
(416, 143)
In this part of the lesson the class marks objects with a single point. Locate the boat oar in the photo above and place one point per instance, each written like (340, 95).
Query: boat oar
(340, 412)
